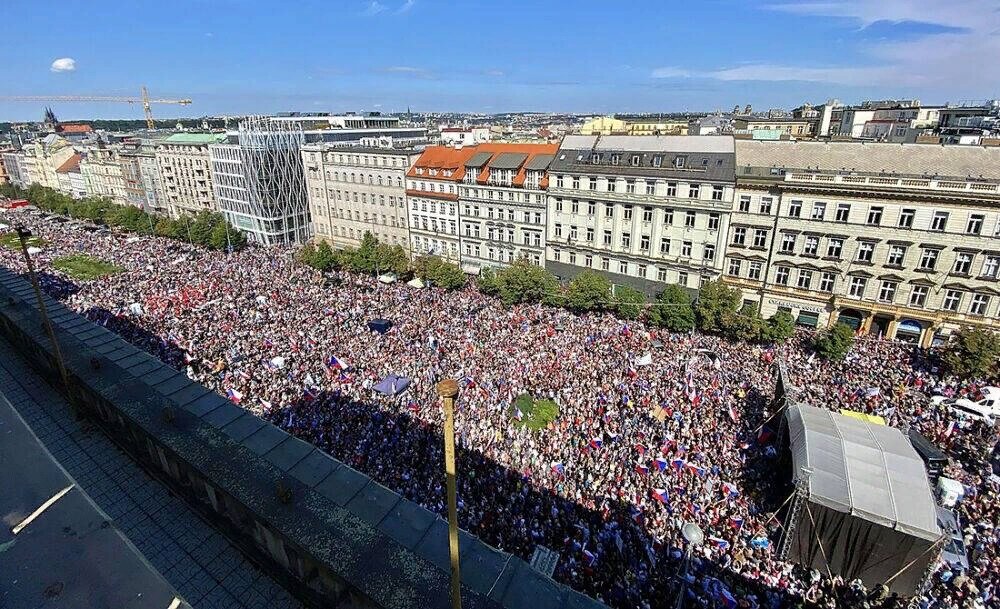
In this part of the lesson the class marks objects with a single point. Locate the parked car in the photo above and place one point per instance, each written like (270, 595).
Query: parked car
(953, 553)
(989, 403)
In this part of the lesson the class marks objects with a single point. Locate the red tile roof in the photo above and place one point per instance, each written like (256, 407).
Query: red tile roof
(532, 150)
(72, 164)
(74, 128)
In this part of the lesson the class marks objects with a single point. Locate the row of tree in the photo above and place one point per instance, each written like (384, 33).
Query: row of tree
(206, 228)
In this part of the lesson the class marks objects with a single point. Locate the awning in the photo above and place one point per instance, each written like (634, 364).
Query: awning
(909, 326)
(808, 319)
(392, 385)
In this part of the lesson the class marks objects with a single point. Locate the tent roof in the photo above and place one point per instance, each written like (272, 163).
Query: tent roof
(870, 471)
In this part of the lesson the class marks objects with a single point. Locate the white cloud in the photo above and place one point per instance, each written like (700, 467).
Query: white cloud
(958, 58)
(375, 8)
(671, 72)
(404, 70)
(63, 64)
(406, 6)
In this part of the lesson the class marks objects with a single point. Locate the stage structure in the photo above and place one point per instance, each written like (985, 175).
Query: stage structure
(862, 506)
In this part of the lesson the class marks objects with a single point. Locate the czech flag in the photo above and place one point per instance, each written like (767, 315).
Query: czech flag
(726, 599)
(765, 435)
(596, 443)
(729, 490)
(559, 468)
(718, 542)
(678, 463)
(660, 494)
(642, 469)
(661, 463)
(335, 363)
(265, 404)
(234, 395)
(694, 467)
(736, 522)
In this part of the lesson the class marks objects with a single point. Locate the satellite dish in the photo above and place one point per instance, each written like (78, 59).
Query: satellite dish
(693, 533)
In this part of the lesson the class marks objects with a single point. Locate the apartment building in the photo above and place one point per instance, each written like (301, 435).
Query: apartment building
(502, 204)
(71, 180)
(900, 240)
(185, 173)
(44, 156)
(432, 199)
(357, 189)
(13, 164)
(646, 210)
(102, 172)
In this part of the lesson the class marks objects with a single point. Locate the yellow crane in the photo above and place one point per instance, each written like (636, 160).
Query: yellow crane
(143, 99)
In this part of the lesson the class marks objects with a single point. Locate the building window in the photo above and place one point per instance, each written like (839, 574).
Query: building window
(709, 253)
(647, 214)
(795, 209)
(592, 183)
(754, 270)
(574, 206)
(765, 205)
(644, 243)
(827, 281)
(661, 274)
(906, 218)
(694, 191)
(605, 264)
(713, 221)
(975, 224)
(630, 186)
(952, 300)
(640, 270)
(717, 193)
(735, 267)
(628, 213)
(745, 203)
(787, 243)
(991, 267)
(887, 293)
(668, 217)
(866, 251)
(804, 279)
(918, 295)
(928, 259)
(739, 235)
(671, 189)
(979, 304)
(940, 221)
(559, 181)
(650, 188)
(875, 216)
(609, 210)
(682, 278)
(559, 205)
(558, 228)
(623, 268)
(760, 237)
(626, 240)
(781, 275)
(896, 255)
(590, 235)
(963, 263)
(607, 238)
(818, 211)
(576, 183)
(856, 288)
(588, 261)
(689, 219)
(686, 249)
(843, 212)
(664, 245)
(612, 185)
(811, 246)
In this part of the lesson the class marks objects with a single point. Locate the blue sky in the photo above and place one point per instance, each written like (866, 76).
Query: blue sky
(242, 56)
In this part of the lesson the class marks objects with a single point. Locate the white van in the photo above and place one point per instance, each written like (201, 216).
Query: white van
(988, 405)
(967, 409)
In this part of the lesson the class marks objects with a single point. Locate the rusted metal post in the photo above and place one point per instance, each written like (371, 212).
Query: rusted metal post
(448, 390)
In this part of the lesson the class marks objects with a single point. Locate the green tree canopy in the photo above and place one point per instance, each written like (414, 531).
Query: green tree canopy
(525, 282)
(973, 353)
(438, 272)
(588, 291)
(673, 310)
(628, 302)
(716, 303)
(779, 327)
(833, 344)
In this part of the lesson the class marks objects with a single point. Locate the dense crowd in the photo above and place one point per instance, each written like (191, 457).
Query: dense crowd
(641, 444)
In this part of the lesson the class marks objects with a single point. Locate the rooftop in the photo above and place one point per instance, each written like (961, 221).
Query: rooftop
(71, 165)
(194, 139)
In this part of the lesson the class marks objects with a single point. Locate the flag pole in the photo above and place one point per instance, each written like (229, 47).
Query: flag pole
(448, 390)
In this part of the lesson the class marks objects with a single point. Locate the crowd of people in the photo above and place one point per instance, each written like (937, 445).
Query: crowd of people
(654, 429)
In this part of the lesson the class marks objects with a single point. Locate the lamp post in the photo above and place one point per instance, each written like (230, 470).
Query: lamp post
(694, 536)
(448, 390)
(23, 234)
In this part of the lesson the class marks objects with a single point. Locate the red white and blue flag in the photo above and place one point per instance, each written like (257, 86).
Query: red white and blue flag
(661, 463)
(660, 494)
(642, 468)
(736, 522)
(234, 395)
(718, 542)
(596, 443)
(729, 490)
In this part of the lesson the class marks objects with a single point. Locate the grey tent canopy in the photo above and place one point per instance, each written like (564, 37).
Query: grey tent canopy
(379, 325)
(866, 508)
(392, 385)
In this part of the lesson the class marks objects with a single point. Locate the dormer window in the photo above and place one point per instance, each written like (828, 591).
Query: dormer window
(657, 161)
(420, 171)
(615, 159)
(595, 158)
(680, 162)
(635, 160)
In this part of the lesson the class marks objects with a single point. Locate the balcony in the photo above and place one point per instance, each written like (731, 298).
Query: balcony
(897, 183)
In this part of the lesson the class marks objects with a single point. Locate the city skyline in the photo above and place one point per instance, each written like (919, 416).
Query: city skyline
(245, 57)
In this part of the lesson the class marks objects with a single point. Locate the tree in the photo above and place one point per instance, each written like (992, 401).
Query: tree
(324, 259)
(391, 259)
(487, 282)
(365, 259)
(525, 282)
(439, 272)
(745, 325)
(779, 327)
(834, 343)
(974, 353)
(588, 291)
(716, 303)
(307, 254)
(673, 310)
(628, 302)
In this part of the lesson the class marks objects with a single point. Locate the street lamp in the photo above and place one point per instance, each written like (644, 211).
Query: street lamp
(694, 536)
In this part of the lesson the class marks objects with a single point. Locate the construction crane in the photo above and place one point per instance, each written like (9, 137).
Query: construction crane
(143, 99)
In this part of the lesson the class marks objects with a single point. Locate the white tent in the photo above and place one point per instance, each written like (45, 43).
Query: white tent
(415, 283)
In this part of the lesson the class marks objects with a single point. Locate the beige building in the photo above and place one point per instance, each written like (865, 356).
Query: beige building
(646, 210)
(43, 157)
(796, 127)
(900, 240)
(633, 125)
(355, 189)
(186, 172)
(102, 173)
